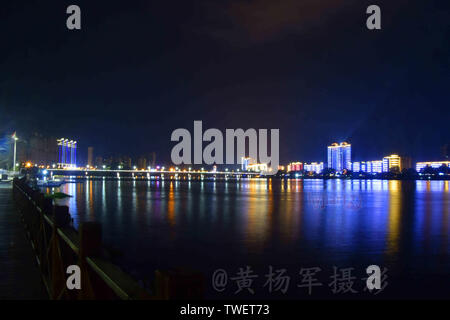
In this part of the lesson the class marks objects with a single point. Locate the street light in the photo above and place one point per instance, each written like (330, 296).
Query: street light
(14, 137)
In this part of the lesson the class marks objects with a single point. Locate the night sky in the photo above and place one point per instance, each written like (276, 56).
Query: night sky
(140, 69)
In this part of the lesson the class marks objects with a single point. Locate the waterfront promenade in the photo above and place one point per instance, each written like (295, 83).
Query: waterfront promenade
(19, 274)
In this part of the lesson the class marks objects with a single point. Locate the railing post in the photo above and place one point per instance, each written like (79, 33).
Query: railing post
(61, 218)
(90, 245)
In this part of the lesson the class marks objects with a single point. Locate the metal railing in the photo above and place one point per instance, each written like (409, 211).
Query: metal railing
(58, 245)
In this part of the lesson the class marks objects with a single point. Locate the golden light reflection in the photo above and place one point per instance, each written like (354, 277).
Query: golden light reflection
(290, 206)
(171, 205)
(91, 199)
(257, 216)
(395, 210)
(445, 218)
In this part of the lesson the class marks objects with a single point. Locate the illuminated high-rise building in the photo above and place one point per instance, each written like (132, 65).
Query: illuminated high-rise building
(391, 162)
(340, 156)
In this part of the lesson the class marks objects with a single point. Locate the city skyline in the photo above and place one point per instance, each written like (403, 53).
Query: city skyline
(339, 158)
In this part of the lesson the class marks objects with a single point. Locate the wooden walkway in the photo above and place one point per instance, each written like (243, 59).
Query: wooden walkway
(19, 274)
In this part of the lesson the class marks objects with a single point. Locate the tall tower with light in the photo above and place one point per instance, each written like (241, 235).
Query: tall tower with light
(67, 153)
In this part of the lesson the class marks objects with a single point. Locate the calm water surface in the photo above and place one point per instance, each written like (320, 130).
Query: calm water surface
(401, 225)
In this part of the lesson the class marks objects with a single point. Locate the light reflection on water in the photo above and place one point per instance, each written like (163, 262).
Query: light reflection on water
(215, 224)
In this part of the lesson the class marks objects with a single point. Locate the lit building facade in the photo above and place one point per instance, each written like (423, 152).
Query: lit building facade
(90, 159)
(295, 166)
(67, 153)
(245, 162)
(356, 167)
(257, 167)
(379, 166)
(434, 165)
(375, 166)
(391, 162)
(339, 156)
(316, 167)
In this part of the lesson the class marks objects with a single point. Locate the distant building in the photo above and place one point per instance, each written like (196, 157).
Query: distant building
(375, 166)
(391, 162)
(257, 167)
(316, 167)
(40, 150)
(245, 162)
(99, 162)
(339, 156)
(108, 162)
(434, 164)
(125, 162)
(90, 159)
(445, 151)
(406, 163)
(387, 164)
(356, 166)
(151, 161)
(295, 166)
(142, 163)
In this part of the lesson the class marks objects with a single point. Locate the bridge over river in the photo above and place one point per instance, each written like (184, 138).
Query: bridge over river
(151, 174)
